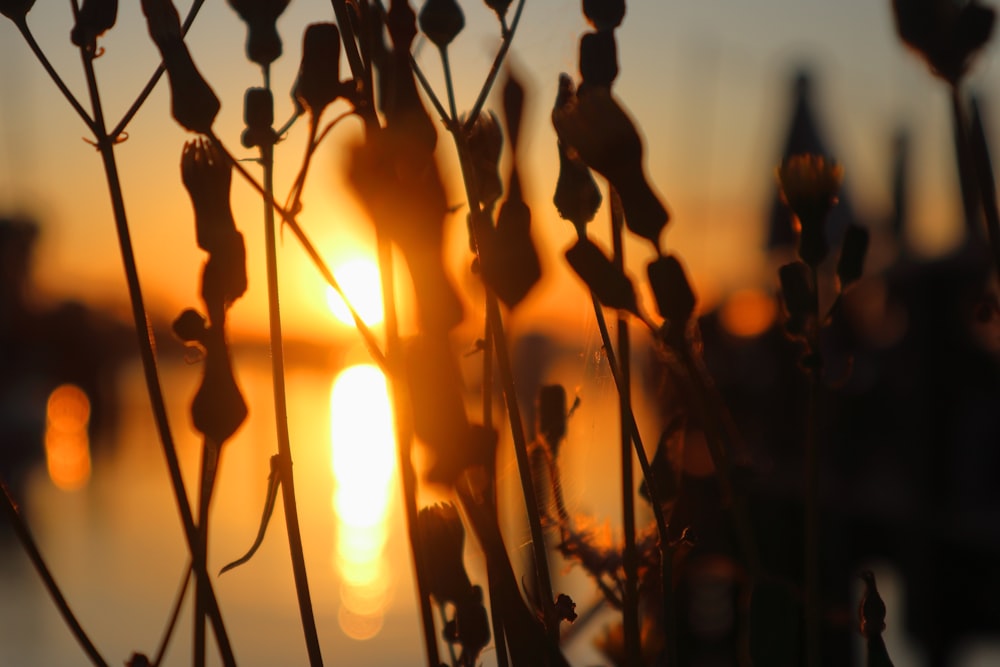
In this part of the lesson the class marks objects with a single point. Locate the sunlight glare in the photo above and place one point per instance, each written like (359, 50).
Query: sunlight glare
(361, 282)
(364, 466)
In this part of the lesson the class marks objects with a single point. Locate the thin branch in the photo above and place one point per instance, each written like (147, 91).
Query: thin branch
(155, 78)
(495, 68)
(22, 25)
(24, 535)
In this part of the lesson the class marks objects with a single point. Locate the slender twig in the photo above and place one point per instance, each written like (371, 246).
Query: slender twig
(28, 542)
(175, 613)
(449, 83)
(155, 78)
(980, 151)
(281, 410)
(630, 556)
(105, 145)
(209, 468)
(22, 25)
(810, 480)
(366, 333)
(508, 37)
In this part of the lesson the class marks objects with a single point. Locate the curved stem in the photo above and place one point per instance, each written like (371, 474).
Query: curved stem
(105, 144)
(155, 78)
(281, 416)
(27, 541)
(168, 632)
(22, 25)
(449, 83)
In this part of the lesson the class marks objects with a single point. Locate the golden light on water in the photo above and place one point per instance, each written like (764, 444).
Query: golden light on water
(67, 443)
(364, 465)
(360, 280)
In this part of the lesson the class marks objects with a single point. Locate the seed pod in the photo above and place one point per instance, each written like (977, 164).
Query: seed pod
(263, 43)
(674, 297)
(16, 10)
(509, 260)
(611, 286)
(442, 541)
(851, 264)
(258, 113)
(485, 142)
(598, 58)
(401, 22)
(499, 6)
(192, 102)
(800, 297)
(94, 19)
(441, 21)
(218, 408)
(190, 327)
(318, 83)
(604, 14)
(595, 125)
(552, 414)
(946, 34)
(577, 196)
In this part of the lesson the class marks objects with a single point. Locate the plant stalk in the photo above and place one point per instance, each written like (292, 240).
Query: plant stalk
(813, 629)
(105, 145)
(630, 556)
(31, 548)
(281, 418)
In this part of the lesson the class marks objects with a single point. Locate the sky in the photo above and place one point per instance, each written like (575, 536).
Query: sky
(708, 81)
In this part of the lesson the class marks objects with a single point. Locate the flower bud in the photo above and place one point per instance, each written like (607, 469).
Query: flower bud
(94, 19)
(604, 14)
(598, 58)
(509, 260)
(16, 10)
(608, 283)
(442, 541)
(499, 6)
(192, 102)
(441, 21)
(190, 327)
(258, 113)
(318, 83)
(485, 142)
(851, 264)
(263, 43)
(945, 33)
(810, 185)
(401, 22)
(674, 297)
(218, 408)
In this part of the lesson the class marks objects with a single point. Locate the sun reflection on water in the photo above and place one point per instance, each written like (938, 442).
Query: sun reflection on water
(363, 460)
(67, 443)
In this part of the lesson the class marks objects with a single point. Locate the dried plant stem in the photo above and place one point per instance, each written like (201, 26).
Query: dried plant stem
(105, 145)
(813, 628)
(979, 154)
(22, 25)
(498, 60)
(27, 541)
(155, 78)
(367, 334)
(281, 417)
(175, 612)
(630, 556)
(209, 468)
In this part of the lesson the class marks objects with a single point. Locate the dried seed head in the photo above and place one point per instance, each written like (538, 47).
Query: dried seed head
(442, 541)
(94, 19)
(604, 14)
(608, 283)
(598, 58)
(441, 21)
(851, 264)
(485, 142)
(799, 294)
(674, 297)
(258, 113)
(401, 22)
(263, 43)
(190, 327)
(318, 83)
(810, 185)
(218, 408)
(946, 33)
(577, 197)
(16, 10)
(499, 6)
(192, 102)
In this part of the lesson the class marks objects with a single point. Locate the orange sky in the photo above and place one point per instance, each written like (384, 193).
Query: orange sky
(708, 82)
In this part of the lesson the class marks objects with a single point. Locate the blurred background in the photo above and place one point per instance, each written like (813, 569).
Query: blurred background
(722, 89)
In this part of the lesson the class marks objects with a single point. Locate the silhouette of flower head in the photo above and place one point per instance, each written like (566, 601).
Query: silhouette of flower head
(318, 83)
(94, 19)
(441, 21)
(16, 10)
(810, 185)
(263, 42)
(946, 33)
(442, 540)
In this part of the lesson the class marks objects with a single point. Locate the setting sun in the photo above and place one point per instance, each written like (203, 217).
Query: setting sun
(361, 282)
